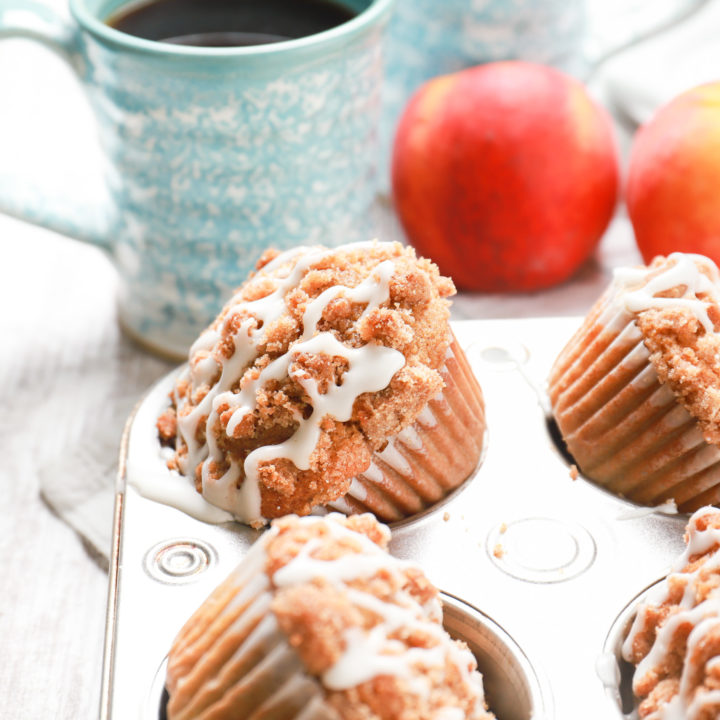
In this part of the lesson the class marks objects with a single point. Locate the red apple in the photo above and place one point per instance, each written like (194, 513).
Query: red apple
(505, 174)
(673, 188)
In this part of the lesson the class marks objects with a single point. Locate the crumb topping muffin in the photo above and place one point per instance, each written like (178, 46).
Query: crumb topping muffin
(318, 359)
(674, 640)
(365, 627)
(636, 392)
(678, 314)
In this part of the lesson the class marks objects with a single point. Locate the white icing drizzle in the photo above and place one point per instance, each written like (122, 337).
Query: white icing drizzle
(370, 368)
(703, 617)
(682, 269)
(146, 463)
(669, 507)
(607, 670)
(450, 714)
(372, 652)
(369, 654)
(303, 568)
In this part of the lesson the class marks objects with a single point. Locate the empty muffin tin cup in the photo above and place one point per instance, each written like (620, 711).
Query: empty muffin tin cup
(513, 690)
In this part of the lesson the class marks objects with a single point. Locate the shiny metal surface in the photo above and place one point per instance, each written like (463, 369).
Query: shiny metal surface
(553, 561)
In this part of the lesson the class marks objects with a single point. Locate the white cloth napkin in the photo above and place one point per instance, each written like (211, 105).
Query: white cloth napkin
(91, 406)
(68, 377)
(646, 76)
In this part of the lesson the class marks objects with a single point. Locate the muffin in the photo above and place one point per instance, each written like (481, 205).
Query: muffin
(319, 621)
(331, 378)
(674, 640)
(636, 391)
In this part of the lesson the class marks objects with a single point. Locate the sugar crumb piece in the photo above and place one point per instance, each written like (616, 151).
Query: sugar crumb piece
(499, 551)
(574, 472)
(503, 528)
(446, 516)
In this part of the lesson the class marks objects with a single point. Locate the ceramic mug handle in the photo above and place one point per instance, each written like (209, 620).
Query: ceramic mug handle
(34, 21)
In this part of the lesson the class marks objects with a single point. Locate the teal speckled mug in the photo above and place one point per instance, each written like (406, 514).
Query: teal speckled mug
(215, 154)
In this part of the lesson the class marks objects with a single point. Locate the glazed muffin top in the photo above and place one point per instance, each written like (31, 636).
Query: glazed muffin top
(366, 626)
(675, 637)
(676, 300)
(315, 361)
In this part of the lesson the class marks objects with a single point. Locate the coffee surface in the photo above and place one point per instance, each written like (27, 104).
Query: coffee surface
(228, 23)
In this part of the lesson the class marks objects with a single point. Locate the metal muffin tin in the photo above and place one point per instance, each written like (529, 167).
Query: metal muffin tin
(538, 570)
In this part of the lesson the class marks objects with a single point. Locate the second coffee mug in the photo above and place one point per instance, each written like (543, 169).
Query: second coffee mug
(215, 153)
(427, 38)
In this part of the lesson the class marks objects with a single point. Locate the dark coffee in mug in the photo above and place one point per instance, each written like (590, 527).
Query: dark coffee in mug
(228, 23)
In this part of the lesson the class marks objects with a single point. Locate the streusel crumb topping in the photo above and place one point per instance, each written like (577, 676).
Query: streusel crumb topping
(677, 302)
(367, 625)
(318, 358)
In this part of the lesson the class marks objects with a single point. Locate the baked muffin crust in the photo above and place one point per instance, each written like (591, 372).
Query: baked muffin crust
(318, 358)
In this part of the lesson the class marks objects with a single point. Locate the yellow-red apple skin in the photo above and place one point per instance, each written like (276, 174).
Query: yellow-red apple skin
(673, 185)
(505, 174)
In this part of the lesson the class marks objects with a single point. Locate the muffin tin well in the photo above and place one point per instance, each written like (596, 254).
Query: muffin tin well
(549, 561)
(615, 672)
(513, 689)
